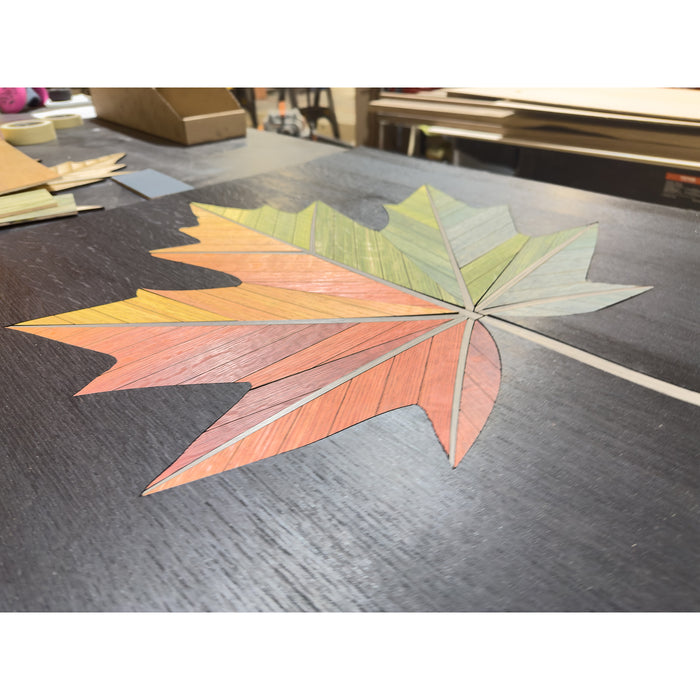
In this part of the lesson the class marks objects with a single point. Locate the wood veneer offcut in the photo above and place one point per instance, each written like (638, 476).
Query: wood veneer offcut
(20, 172)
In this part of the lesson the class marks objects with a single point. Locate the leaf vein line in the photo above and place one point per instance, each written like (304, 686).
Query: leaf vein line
(565, 297)
(457, 390)
(466, 296)
(498, 291)
(310, 397)
(587, 358)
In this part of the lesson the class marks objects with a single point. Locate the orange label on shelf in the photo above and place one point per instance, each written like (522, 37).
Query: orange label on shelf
(678, 177)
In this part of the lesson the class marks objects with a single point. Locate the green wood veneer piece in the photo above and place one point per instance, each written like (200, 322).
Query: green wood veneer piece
(341, 239)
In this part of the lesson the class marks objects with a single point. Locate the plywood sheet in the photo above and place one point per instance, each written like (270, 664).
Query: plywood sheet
(19, 172)
(655, 102)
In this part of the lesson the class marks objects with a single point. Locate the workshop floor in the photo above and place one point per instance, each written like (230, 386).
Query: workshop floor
(343, 101)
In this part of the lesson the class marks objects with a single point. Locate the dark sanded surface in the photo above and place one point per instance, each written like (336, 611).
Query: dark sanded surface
(581, 493)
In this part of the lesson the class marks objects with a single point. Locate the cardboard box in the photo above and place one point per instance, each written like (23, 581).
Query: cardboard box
(184, 115)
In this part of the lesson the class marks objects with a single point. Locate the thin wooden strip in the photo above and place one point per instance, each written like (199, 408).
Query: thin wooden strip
(68, 167)
(658, 385)
(301, 304)
(87, 174)
(138, 310)
(140, 366)
(25, 202)
(79, 317)
(472, 232)
(343, 339)
(69, 185)
(119, 340)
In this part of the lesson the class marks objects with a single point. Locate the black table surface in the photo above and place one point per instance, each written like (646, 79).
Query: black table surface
(580, 494)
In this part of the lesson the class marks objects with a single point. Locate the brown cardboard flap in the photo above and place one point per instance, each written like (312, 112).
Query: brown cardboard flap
(184, 115)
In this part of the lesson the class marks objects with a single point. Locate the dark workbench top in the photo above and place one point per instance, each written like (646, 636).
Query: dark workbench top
(580, 494)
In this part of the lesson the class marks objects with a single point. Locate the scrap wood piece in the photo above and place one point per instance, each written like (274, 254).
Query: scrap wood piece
(64, 205)
(25, 202)
(77, 173)
(19, 172)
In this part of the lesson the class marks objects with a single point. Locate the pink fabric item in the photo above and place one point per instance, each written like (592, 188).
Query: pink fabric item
(13, 100)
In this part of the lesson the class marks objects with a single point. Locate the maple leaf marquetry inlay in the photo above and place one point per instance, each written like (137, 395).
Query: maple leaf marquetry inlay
(334, 323)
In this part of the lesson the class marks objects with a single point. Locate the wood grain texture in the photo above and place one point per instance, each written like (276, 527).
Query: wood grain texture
(23, 202)
(18, 171)
(580, 494)
(61, 205)
(295, 381)
(301, 272)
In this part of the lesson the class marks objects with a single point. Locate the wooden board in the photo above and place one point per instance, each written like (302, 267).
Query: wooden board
(580, 492)
(18, 171)
(61, 205)
(664, 103)
(25, 202)
(618, 135)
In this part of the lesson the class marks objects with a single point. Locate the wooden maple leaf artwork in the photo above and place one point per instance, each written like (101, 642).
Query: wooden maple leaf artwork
(334, 323)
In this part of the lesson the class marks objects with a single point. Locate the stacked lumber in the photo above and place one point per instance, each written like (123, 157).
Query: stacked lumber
(658, 126)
